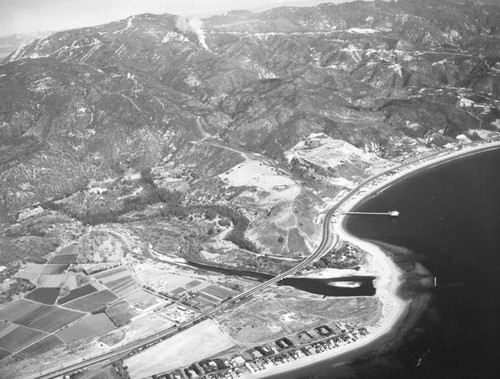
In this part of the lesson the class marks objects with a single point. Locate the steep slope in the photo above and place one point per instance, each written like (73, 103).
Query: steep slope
(157, 90)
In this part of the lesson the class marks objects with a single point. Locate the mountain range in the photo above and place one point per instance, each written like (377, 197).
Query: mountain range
(374, 81)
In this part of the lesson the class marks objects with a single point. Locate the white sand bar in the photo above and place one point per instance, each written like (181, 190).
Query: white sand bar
(387, 273)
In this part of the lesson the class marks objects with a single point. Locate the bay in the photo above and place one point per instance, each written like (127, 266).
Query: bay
(448, 230)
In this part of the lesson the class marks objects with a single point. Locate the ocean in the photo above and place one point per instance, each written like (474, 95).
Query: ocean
(449, 224)
(447, 240)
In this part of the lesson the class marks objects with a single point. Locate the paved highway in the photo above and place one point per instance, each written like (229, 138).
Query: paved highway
(329, 240)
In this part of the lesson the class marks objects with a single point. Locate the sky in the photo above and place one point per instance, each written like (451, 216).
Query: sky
(24, 16)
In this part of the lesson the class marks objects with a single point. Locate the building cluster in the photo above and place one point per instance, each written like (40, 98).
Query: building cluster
(306, 343)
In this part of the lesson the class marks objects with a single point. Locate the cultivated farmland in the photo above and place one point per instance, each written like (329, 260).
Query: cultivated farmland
(31, 272)
(113, 338)
(55, 319)
(44, 318)
(205, 296)
(4, 354)
(6, 328)
(70, 249)
(118, 280)
(19, 338)
(123, 286)
(47, 344)
(51, 280)
(50, 269)
(164, 281)
(92, 302)
(17, 309)
(76, 293)
(192, 283)
(91, 325)
(44, 295)
(219, 292)
(28, 318)
(121, 313)
(66, 258)
(142, 299)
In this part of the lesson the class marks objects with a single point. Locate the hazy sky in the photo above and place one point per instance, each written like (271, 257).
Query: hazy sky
(18, 16)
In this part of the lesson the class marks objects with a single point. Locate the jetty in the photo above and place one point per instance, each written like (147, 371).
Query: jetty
(390, 213)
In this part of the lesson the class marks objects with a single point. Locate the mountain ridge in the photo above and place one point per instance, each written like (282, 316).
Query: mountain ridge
(389, 78)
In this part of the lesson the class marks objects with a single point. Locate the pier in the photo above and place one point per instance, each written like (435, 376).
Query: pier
(390, 213)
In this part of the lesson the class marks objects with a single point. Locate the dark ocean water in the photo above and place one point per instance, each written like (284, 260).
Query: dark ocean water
(449, 224)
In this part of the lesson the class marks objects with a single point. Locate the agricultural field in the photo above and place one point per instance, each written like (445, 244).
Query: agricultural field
(118, 280)
(91, 325)
(28, 318)
(4, 354)
(70, 249)
(66, 258)
(31, 272)
(77, 293)
(92, 302)
(6, 328)
(121, 313)
(38, 316)
(219, 292)
(193, 283)
(203, 302)
(194, 344)
(113, 274)
(53, 320)
(207, 297)
(19, 308)
(143, 300)
(113, 338)
(94, 268)
(44, 295)
(50, 269)
(164, 281)
(51, 280)
(47, 344)
(20, 337)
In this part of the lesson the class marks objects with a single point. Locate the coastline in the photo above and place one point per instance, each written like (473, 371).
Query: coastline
(388, 274)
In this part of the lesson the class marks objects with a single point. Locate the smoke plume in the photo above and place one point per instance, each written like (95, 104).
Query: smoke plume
(192, 25)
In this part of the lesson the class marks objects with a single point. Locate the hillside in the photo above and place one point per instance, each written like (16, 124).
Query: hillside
(189, 101)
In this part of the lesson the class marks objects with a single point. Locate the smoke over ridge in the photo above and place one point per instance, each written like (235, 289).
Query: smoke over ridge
(192, 25)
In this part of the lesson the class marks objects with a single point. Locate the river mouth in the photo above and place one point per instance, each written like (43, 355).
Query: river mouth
(343, 286)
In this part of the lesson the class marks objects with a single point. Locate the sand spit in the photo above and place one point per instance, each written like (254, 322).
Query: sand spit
(388, 275)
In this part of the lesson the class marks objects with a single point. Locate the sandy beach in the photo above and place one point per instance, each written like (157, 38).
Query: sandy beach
(388, 275)
(393, 307)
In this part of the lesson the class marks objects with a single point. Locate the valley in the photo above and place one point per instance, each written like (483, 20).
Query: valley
(158, 182)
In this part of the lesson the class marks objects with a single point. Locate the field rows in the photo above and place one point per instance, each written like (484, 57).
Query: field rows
(76, 293)
(92, 302)
(91, 325)
(20, 337)
(41, 317)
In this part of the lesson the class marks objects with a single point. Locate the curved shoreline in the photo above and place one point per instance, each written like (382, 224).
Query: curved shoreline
(388, 274)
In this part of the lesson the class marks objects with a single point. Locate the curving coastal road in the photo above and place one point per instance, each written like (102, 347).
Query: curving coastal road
(329, 240)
